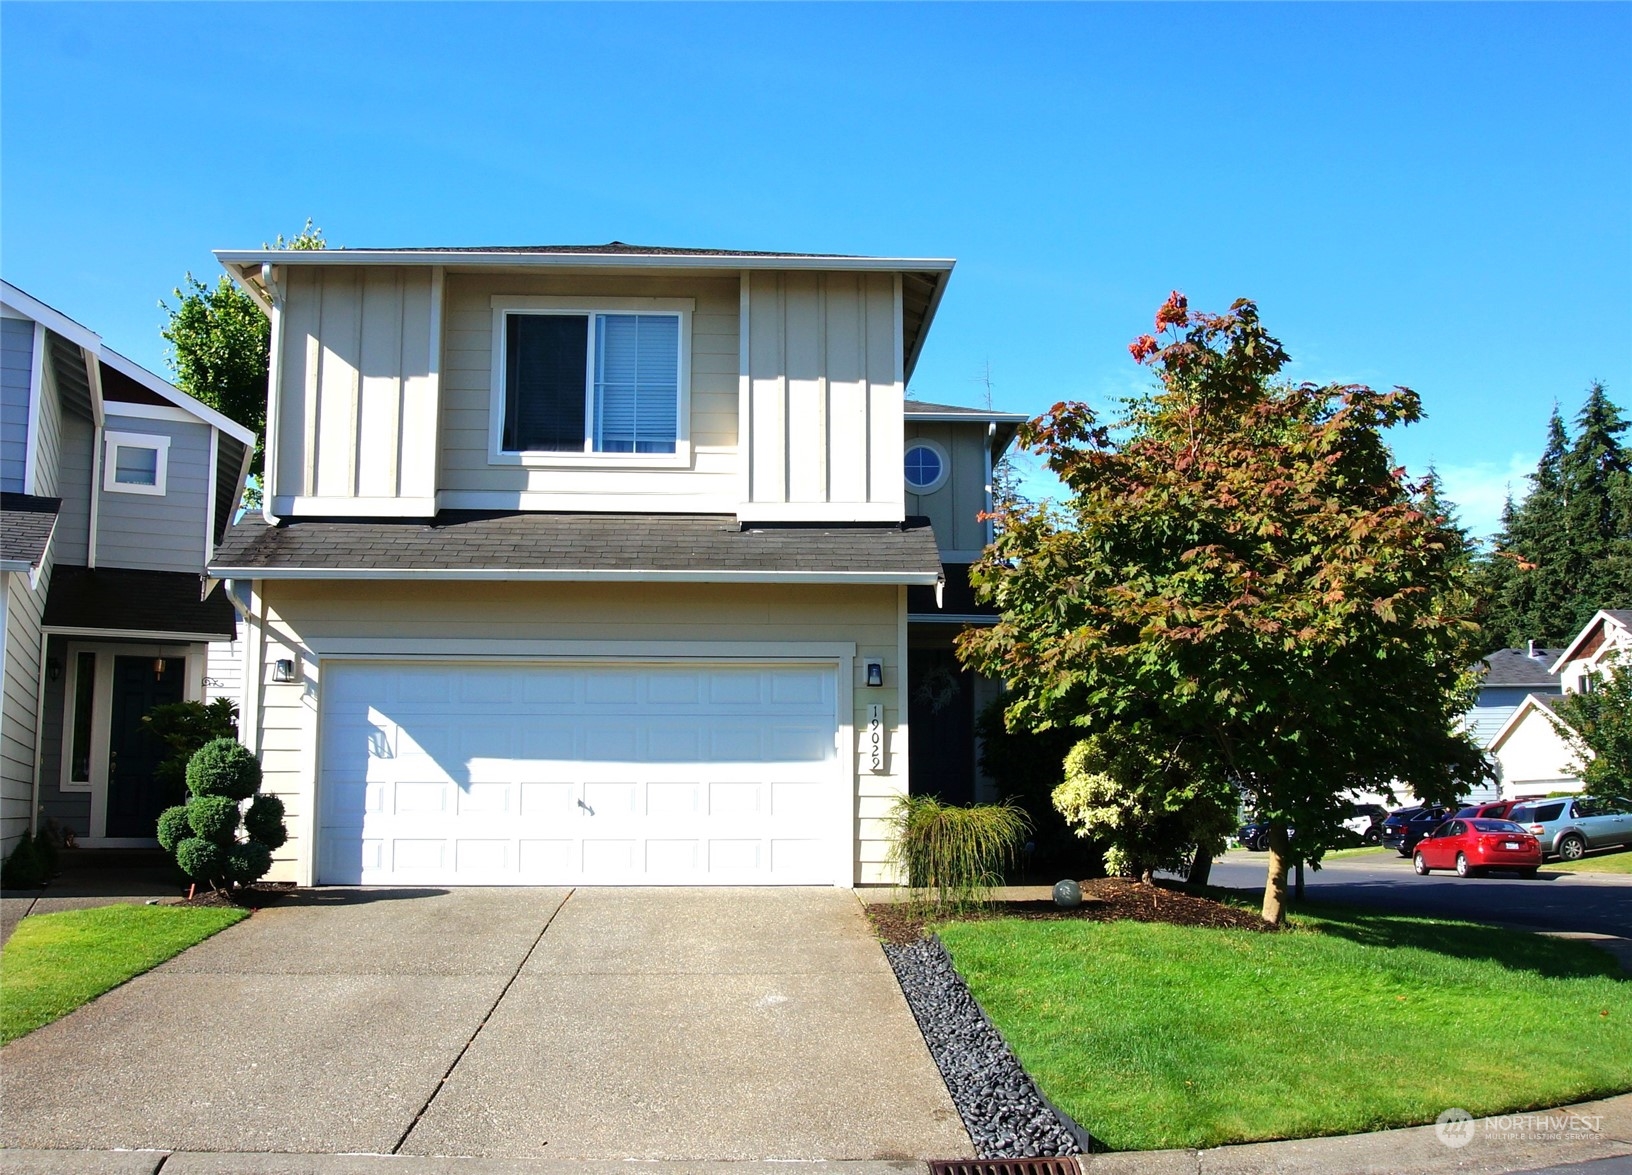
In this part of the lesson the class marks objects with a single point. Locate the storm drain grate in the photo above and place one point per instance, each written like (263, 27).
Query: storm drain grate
(1003, 1167)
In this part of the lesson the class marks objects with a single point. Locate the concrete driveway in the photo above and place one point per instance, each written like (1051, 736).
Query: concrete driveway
(548, 1024)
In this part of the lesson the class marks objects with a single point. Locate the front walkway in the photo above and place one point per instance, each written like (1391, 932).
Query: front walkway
(527, 1024)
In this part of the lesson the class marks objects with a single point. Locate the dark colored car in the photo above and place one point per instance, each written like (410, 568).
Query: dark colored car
(1470, 846)
(1365, 821)
(1406, 826)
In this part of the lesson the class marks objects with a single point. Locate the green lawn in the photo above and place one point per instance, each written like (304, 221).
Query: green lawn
(1616, 862)
(56, 962)
(1156, 1036)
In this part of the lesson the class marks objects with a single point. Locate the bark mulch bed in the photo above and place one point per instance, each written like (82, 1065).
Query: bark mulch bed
(250, 897)
(1109, 899)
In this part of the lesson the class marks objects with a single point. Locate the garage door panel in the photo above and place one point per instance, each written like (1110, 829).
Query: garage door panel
(530, 774)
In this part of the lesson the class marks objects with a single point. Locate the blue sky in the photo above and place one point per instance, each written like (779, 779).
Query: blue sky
(1437, 196)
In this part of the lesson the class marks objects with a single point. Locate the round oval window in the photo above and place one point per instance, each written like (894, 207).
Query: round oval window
(925, 468)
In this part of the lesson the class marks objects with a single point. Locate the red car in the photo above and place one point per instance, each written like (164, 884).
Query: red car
(1499, 810)
(1472, 846)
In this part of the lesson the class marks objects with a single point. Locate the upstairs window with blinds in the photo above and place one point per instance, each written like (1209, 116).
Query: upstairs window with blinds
(591, 383)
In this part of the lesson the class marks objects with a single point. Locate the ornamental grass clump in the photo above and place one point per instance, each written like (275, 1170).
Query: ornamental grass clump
(203, 833)
(953, 856)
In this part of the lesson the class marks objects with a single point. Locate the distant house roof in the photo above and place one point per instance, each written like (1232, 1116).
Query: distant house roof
(26, 522)
(122, 599)
(923, 279)
(460, 544)
(1518, 667)
(1621, 617)
(1004, 424)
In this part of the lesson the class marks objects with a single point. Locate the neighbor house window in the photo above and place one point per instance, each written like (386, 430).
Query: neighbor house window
(135, 463)
(591, 381)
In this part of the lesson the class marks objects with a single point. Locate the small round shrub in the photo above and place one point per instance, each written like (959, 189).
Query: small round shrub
(173, 827)
(248, 863)
(23, 869)
(264, 821)
(45, 846)
(223, 768)
(213, 818)
(200, 859)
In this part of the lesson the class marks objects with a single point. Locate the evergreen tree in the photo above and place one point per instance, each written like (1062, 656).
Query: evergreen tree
(1565, 550)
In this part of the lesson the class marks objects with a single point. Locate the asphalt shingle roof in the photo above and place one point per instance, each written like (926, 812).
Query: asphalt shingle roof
(1517, 667)
(696, 545)
(136, 601)
(26, 522)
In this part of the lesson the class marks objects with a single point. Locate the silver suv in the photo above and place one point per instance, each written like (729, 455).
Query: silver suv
(1567, 826)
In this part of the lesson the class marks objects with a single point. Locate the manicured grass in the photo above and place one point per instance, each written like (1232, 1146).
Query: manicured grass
(1361, 851)
(1154, 1035)
(1616, 862)
(56, 962)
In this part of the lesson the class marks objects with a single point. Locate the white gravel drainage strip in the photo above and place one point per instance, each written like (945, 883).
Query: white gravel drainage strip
(1006, 1115)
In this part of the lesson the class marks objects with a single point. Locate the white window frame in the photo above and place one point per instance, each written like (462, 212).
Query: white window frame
(159, 443)
(506, 305)
(940, 451)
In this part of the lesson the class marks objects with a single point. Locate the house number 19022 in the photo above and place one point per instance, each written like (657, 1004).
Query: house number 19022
(875, 738)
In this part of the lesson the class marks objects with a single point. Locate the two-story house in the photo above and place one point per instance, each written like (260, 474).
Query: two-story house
(1532, 748)
(1509, 676)
(593, 564)
(114, 487)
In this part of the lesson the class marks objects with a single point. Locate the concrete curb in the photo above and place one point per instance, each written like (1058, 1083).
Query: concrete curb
(1494, 1146)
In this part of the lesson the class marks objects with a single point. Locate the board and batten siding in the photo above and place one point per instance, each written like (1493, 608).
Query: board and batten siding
(288, 616)
(16, 378)
(158, 532)
(19, 706)
(357, 391)
(709, 483)
(954, 508)
(824, 390)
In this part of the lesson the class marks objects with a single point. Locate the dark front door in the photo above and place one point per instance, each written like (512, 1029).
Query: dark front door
(135, 798)
(940, 726)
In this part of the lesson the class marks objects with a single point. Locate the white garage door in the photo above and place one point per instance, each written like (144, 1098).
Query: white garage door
(611, 774)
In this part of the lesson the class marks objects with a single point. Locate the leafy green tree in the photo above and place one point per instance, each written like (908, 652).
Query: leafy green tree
(220, 344)
(1600, 729)
(1565, 551)
(1240, 586)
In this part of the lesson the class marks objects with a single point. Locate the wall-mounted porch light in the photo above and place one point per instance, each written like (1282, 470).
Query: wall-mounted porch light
(875, 671)
(283, 671)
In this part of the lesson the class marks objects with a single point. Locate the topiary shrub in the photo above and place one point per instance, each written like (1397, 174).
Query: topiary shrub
(223, 768)
(23, 869)
(203, 833)
(173, 827)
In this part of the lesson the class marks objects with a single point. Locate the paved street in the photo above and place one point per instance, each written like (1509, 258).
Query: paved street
(1595, 903)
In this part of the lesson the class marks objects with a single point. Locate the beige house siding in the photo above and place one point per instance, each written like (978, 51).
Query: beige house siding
(708, 483)
(293, 619)
(823, 392)
(356, 366)
(19, 705)
(954, 509)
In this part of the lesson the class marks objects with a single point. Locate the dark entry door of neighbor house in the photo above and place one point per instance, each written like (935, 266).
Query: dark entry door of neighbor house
(135, 798)
(941, 725)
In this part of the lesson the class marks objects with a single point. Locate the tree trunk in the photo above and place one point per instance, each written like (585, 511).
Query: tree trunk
(1275, 885)
(1201, 868)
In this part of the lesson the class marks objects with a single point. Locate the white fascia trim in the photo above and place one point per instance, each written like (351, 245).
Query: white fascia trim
(564, 575)
(1531, 703)
(940, 618)
(136, 634)
(150, 412)
(244, 259)
(464, 648)
(161, 387)
(837, 513)
(623, 502)
(29, 307)
(341, 507)
(966, 417)
(1568, 655)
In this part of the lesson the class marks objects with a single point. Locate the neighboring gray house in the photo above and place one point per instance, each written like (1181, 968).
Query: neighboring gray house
(1511, 675)
(114, 489)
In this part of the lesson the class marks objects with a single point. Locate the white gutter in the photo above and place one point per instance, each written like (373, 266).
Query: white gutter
(570, 575)
(244, 260)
